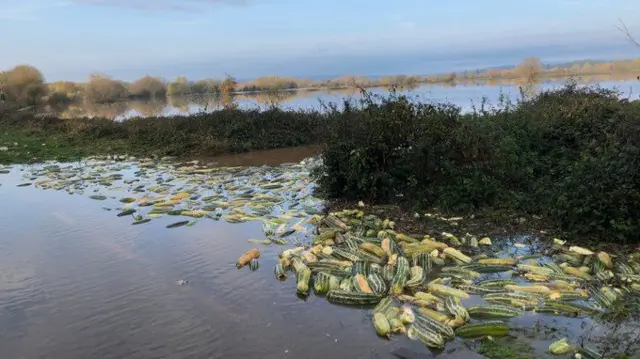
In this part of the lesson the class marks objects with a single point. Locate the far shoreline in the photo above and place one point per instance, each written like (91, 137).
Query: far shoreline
(25, 85)
(466, 82)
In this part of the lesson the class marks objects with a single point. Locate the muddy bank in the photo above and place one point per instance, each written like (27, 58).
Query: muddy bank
(499, 224)
(433, 221)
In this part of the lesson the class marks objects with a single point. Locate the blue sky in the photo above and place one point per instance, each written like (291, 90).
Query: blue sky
(68, 39)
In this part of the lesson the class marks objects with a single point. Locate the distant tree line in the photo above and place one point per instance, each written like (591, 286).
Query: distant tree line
(532, 69)
(271, 83)
(25, 85)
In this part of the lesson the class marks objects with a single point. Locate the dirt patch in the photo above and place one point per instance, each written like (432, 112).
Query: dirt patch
(433, 222)
(493, 224)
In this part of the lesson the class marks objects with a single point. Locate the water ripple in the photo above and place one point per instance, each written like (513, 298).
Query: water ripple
(76, 282)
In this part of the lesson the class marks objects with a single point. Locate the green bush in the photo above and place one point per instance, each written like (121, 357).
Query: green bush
(203, 134)
(572, 154)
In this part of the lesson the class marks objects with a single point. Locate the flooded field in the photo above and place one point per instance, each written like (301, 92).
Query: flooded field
(464, 95)
(136, 258)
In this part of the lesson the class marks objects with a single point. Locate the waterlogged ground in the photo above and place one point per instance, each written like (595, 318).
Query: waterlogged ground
(79, 281)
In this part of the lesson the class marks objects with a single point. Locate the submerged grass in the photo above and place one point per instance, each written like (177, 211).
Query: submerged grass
(506, 349)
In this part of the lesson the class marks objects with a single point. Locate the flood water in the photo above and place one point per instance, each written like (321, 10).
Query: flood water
(76, 281)
(464, 95)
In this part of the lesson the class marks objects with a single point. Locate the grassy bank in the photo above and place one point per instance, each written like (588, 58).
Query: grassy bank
(221, 132)
(572, 156)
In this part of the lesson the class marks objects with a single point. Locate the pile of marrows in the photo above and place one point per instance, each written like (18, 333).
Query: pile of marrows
(418, 286)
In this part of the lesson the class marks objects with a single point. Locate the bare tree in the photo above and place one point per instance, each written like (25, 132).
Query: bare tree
(625, 30)
(530, 68)
(179, 87)
(3, 81)
(104, 89)
(148, 87)
(228, 86)
(24, 85)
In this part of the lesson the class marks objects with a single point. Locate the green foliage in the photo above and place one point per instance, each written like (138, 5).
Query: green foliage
(26, 145)
(208, 134)
(571, 154)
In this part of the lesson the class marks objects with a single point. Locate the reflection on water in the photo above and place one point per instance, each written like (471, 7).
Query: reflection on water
(464, 95)
(78, 282)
